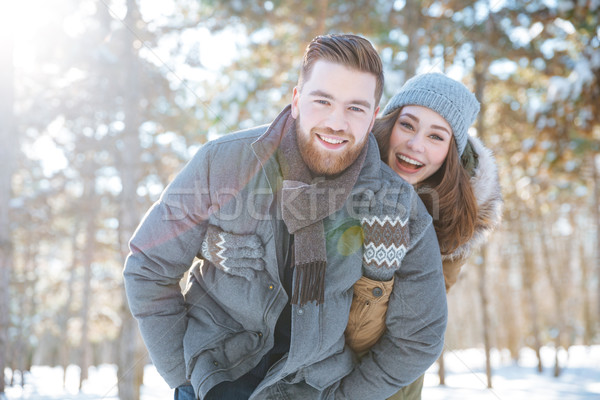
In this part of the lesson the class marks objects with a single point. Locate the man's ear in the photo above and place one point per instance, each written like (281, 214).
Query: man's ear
(373, 120)
(295, 99)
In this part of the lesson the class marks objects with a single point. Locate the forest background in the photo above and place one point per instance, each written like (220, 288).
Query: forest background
(102, 102)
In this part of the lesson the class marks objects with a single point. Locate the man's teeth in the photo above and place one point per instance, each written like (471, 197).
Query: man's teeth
(409, 160)
(330, 140)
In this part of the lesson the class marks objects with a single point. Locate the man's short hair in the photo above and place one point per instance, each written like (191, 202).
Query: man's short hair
(349, 50)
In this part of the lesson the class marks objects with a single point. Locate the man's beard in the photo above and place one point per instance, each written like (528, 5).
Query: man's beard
(322, 162)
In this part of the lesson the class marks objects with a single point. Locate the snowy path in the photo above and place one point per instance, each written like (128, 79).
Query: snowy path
(465, 379)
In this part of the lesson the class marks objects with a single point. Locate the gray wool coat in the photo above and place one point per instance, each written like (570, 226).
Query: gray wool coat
(224, 323)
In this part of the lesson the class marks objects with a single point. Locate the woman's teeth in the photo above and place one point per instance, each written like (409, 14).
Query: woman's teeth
(409, 161)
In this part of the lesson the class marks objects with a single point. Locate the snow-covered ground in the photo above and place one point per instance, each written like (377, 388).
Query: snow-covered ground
(465, 379)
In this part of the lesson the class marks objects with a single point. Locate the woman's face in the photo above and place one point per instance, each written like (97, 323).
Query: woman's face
(419, 143)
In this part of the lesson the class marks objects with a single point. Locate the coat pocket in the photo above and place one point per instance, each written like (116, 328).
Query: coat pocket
(208, 323)
(366, 321)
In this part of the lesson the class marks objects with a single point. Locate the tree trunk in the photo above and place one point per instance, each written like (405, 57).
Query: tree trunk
(131, 355)
(413, 17)
(596, 213)
(481, 67)
(555, 284)
(87, 261)
(509, 317)
(528, 271)
(65, 315)
(322, 19)
(482, 270)
(21, 285)
(31, 309)
(557, 270)
(588, 319)
(8, 148)
(442, 369)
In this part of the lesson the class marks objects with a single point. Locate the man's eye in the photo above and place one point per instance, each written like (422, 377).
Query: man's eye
(357, 109)
(322, 101)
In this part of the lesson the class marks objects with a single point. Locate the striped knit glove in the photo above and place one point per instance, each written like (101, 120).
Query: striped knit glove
(384, 221)
(235, 254)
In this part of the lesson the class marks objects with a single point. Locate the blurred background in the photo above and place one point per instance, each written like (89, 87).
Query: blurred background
(102, 102)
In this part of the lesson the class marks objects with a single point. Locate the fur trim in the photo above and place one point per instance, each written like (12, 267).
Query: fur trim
(486, 187)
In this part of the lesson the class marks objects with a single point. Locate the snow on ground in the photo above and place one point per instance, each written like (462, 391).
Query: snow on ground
(465, 379)
(46, 383)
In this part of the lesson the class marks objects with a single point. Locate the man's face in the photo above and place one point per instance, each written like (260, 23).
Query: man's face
(334, 112)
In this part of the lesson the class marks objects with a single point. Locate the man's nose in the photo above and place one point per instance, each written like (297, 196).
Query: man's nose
(336, 120)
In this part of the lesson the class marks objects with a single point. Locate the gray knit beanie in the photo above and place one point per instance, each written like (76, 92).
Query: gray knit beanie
(449, 98)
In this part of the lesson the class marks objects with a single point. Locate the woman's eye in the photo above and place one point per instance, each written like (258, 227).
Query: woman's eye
(406, 125)
(437, 137)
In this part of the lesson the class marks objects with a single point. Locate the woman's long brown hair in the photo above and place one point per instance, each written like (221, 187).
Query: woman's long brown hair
(447, 194)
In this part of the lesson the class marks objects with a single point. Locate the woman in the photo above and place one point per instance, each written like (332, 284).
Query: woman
(423, 137)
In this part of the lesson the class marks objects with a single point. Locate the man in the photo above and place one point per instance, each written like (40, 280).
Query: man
(274, 213)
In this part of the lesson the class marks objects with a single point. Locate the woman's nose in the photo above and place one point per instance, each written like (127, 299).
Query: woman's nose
(416, 143)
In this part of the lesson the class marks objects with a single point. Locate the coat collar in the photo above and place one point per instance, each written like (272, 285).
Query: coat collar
(266, 145)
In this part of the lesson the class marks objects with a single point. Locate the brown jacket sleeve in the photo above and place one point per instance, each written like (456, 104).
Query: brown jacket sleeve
(451, 271)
